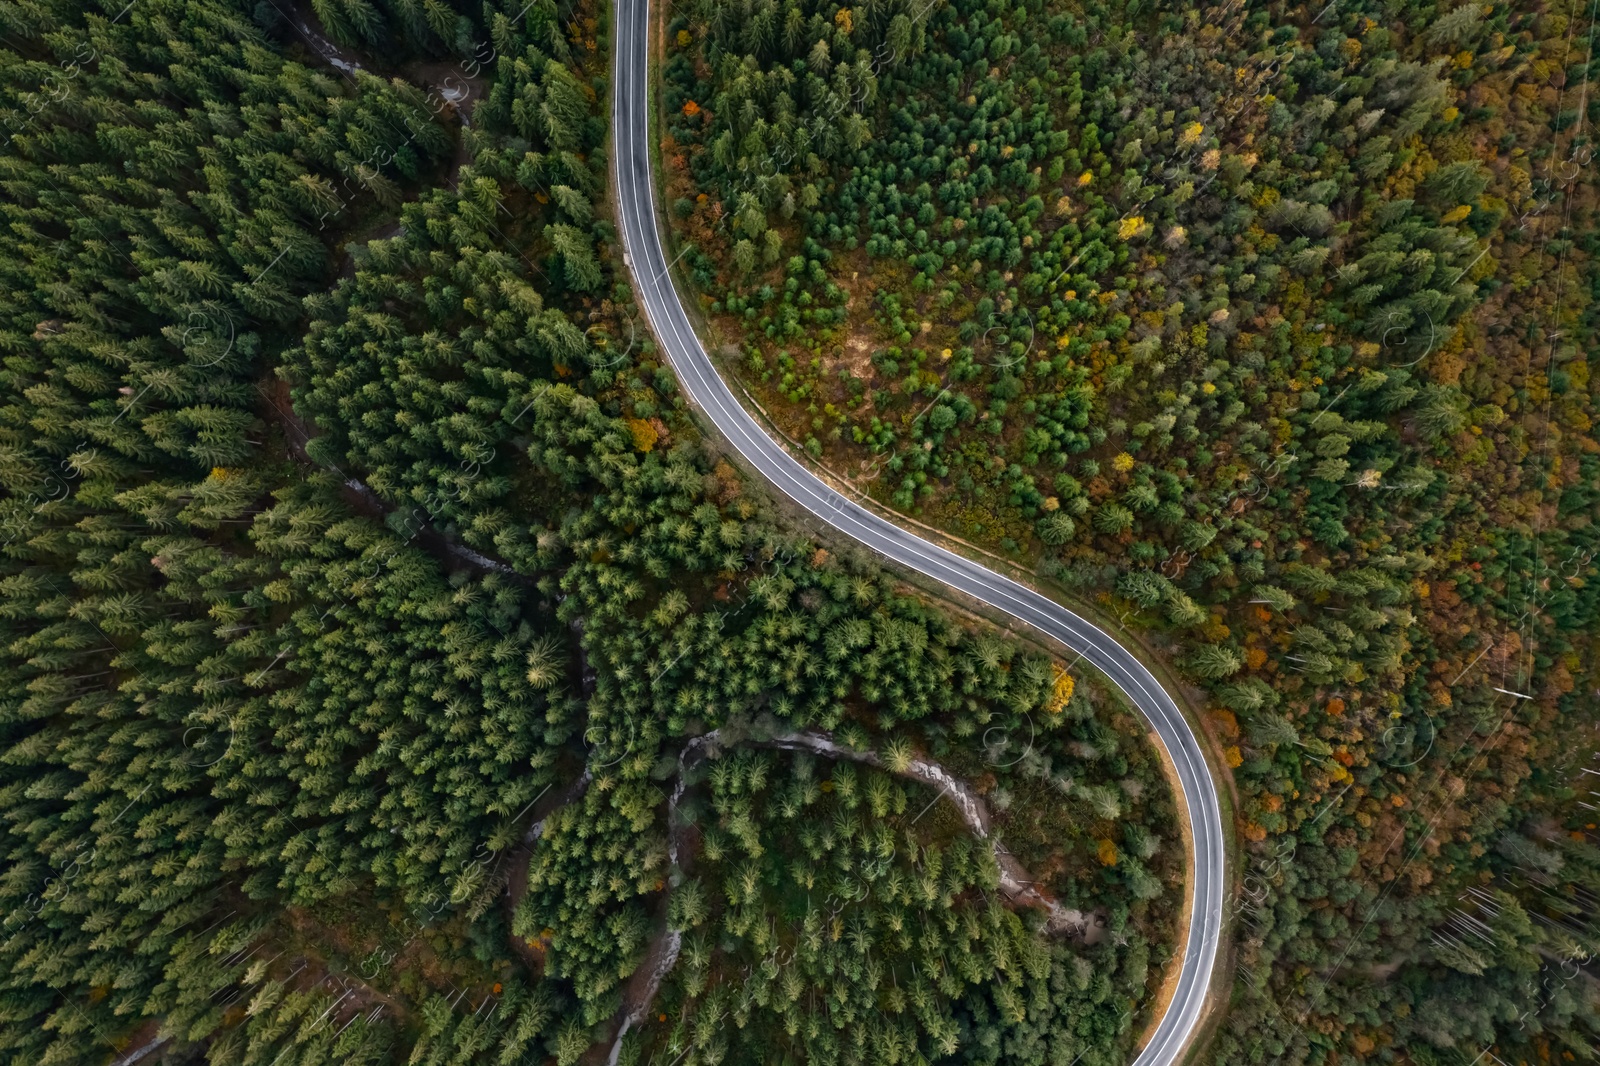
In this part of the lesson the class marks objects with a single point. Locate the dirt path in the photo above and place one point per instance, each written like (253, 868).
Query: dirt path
(1014, 880)
(297, 434)
(428, 535)
(310, 30)
(153, 1044)
(519, 857)
(662, 954)
(642, 987)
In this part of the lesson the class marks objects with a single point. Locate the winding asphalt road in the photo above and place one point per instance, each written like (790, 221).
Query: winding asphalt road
(653, 287)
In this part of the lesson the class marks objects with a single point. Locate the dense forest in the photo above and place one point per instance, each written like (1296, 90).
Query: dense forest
(1267, 329)
(392, 674)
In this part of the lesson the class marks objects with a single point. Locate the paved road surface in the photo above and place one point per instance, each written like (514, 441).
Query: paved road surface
(632, 111)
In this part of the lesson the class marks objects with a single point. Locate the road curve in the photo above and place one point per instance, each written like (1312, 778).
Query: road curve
(653, 288)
